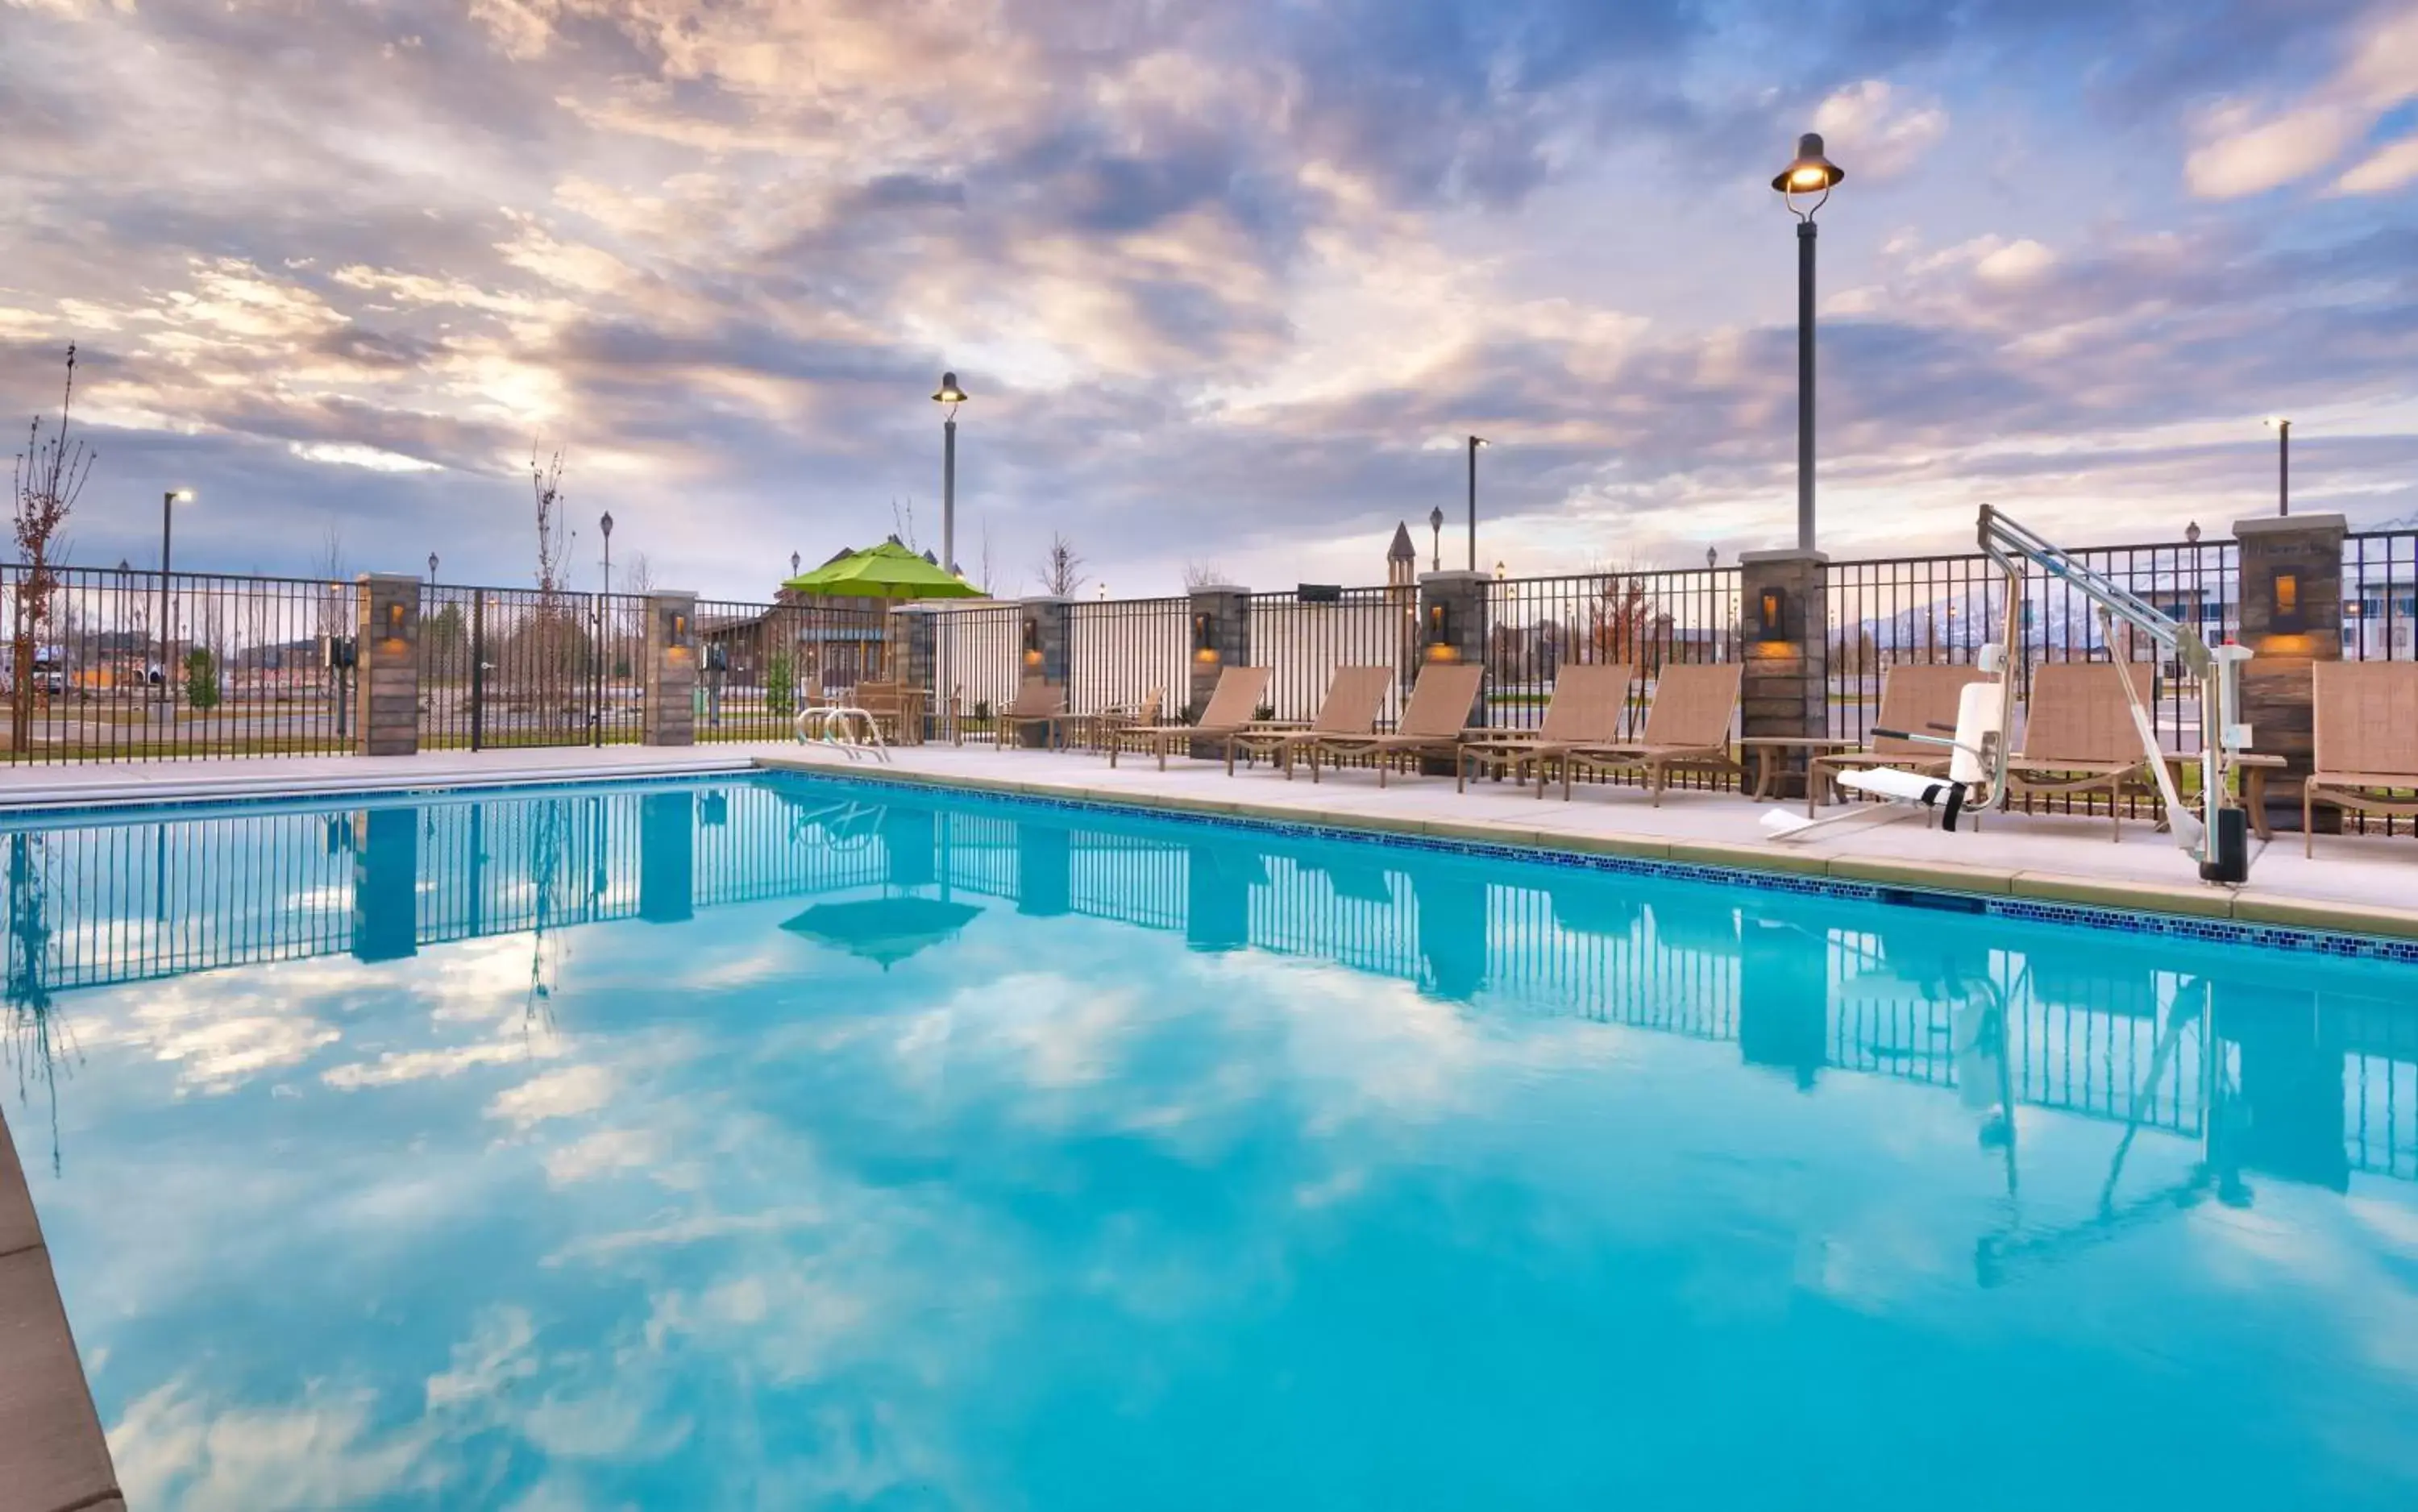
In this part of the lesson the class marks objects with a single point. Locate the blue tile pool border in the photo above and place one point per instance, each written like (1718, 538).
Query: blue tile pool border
(2144, 922)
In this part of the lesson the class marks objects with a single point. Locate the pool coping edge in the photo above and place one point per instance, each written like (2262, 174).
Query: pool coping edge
(45, 1411)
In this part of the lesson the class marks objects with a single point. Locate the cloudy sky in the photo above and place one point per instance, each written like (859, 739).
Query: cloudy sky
(1225, 280)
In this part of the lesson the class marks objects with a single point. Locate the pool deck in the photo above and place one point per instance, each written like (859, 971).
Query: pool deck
(54, 1458)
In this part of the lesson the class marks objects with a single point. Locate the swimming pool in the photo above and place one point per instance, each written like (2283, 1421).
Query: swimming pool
(789, 1142)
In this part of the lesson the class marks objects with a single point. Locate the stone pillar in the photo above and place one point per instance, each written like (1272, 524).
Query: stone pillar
(1452, 628)
(2291, 620)
(1043, 639)
(915, 647)
(1044, 870)
(386, 666)
(1785, 640)
(671, 682)
(1217, 636)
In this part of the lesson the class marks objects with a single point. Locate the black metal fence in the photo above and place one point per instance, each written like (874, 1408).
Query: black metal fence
(760, 664)
(115, 664)
(121, 665)
(1122, 653)
(1302, 638)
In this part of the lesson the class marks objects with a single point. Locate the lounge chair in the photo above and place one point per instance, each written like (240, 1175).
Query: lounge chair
(1095, 727)
(2366, 722)
(1353, 700)
(1586, 709)
(1036, 703)
(2079, 737)
(1229, 709)
(1688, 725)
(1432, 723)
(1919, 700)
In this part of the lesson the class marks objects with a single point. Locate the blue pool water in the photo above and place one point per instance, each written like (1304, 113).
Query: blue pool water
(781, 1143)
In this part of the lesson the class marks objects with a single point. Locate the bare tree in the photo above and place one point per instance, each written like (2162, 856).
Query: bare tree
(1202, 575)
(1061, 568)
(551, 631)
(902, 521)
(49, 476)
(640, 576)
(987, 563)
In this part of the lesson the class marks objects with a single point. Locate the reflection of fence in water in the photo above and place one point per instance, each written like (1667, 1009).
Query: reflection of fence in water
(139, 901)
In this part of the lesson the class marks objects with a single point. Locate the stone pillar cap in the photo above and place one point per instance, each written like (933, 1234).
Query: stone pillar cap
(2278, 525)
(1216, 588)
(1786, 554)
(1456, 574)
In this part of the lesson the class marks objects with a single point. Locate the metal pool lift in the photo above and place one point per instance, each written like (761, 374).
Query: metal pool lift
(1977, 779)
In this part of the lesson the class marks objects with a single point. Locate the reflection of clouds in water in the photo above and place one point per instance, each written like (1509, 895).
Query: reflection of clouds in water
(173, 1446)
(564, 1093)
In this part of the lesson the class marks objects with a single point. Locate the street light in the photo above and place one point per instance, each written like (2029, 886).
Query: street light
(2283, 429)
(432, 567)
(795, 562)
(606, 525)
(1809, 173)
(1712, 557)
(948, 396)
(1475, 443)
(1435, 538)
(167, 520)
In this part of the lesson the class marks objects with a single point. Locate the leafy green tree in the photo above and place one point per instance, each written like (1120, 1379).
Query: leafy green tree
(781, 685)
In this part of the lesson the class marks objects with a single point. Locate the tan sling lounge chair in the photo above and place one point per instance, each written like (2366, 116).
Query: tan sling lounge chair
(1036, 703)
(1228, 711)
(1432, 724)
(1586, 709)
(1918, 700)
(1094, 728)
(2366, 723)
(1688, 725)
(1352, 702)
(2078, 735)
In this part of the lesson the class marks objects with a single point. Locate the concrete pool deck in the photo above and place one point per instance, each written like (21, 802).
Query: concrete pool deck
(52, 1454)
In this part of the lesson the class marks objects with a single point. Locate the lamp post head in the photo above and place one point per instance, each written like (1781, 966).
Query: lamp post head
(1478, 442)
(180, 496)
(948, 392)
(1812, 173)
(795, 562)
(2279, 423)
(1435, 518)
(606, 525)
(1712, 555)
(432, 565)
(1501, 571)
(2191, 532)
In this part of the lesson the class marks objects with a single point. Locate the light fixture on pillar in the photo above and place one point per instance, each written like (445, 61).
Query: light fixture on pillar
(676, 640)
(1032, 640)
(394, 622)
(1440, 647)
(1772, 614)
(1813, 174)
(1205, 638)
(2286, 616)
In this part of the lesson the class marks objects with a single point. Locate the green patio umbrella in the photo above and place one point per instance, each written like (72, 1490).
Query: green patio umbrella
(883, 930)
(888, 570)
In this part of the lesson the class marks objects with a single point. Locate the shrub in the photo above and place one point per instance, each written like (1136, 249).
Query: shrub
(201, 678)
(780, 685)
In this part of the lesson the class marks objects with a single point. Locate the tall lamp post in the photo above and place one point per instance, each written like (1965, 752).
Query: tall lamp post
(2283, 429)
(1477, 443)
(168, 503)
(948, 396)
(1816, 175)
(1435, 538)
(606, 525)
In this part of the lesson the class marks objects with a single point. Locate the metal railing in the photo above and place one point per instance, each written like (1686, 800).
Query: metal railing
(1301, 641)
(117, 664)
(1648, 619)
(758, 664)
(2380, 596)
(528, 666)
(980, 645)
(1120, 652)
